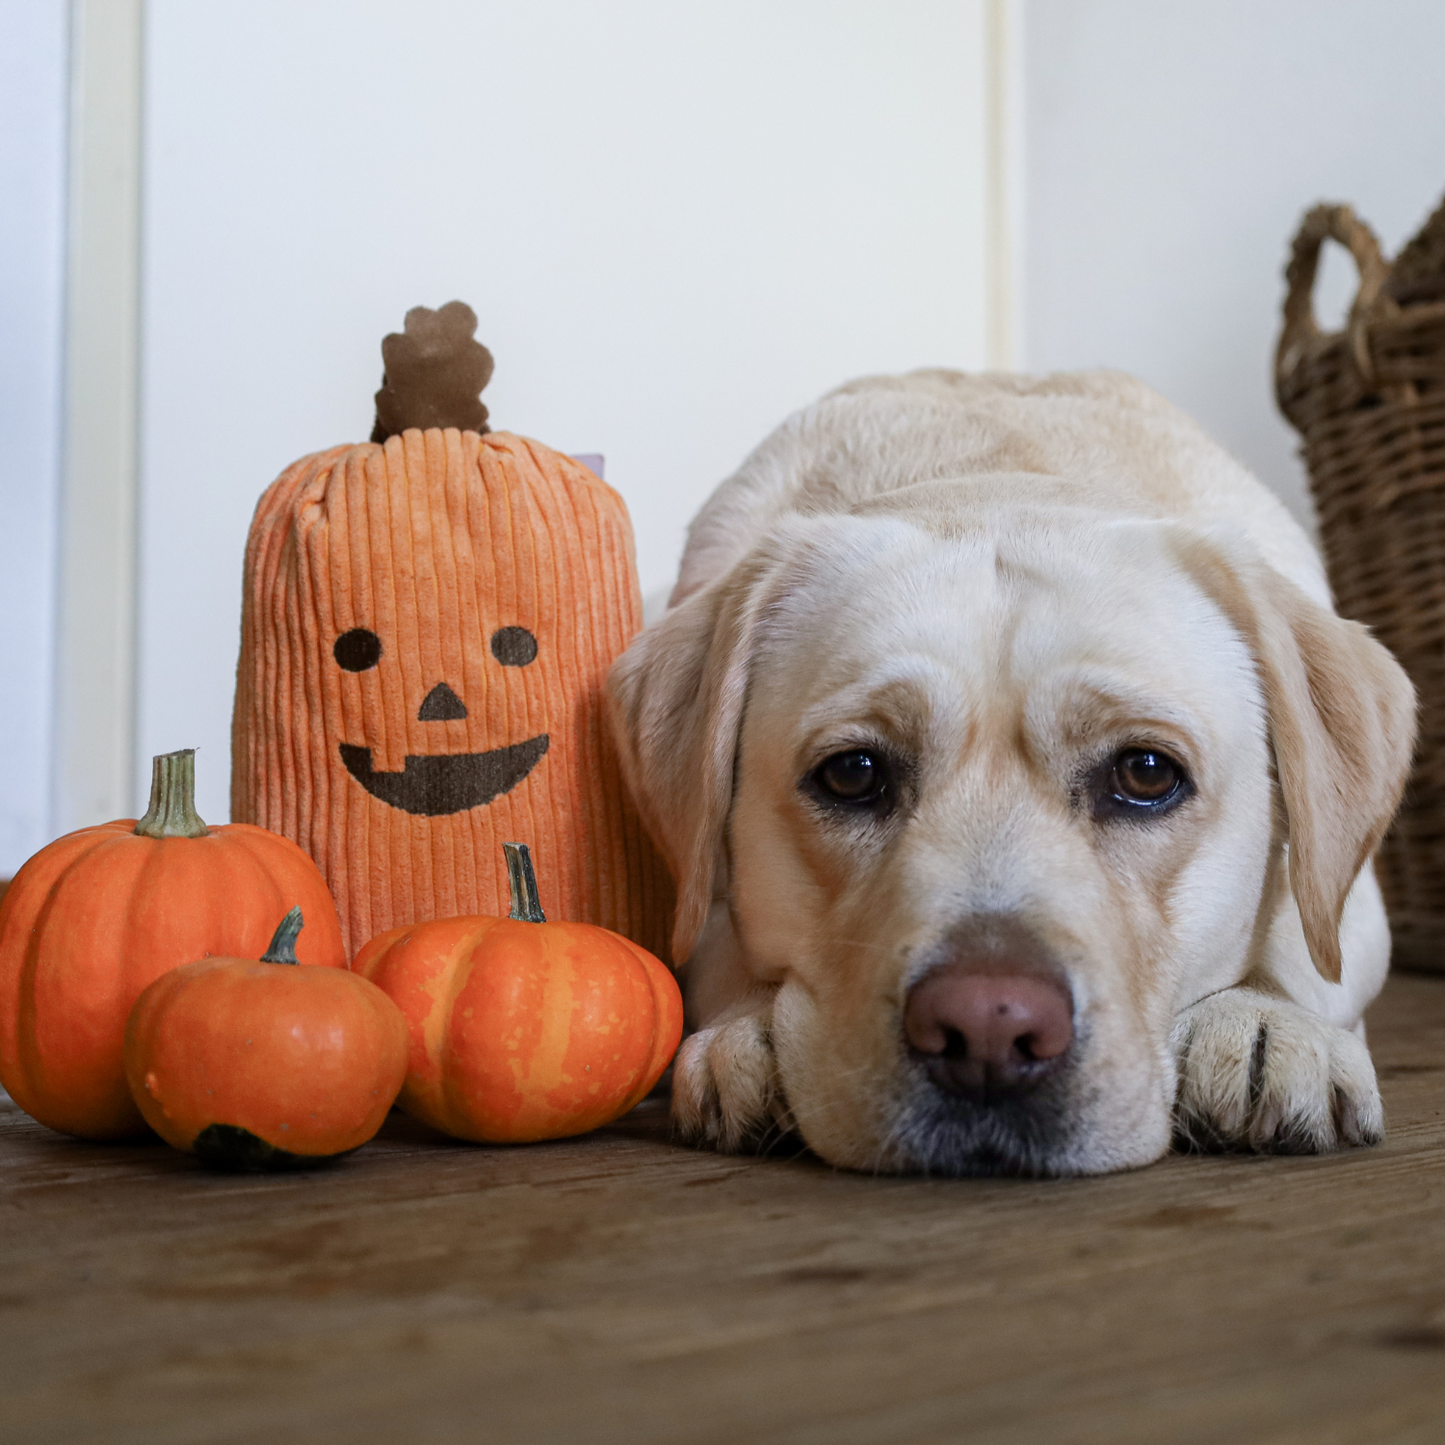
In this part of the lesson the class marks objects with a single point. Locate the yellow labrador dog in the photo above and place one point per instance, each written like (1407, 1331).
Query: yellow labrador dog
(1021, 786)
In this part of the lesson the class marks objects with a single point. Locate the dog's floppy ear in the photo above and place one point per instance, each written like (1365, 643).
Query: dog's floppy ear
(1342, 731)
(675, 703)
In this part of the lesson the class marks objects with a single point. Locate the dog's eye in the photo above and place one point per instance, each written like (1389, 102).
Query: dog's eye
(1144, 780)
(1144, 776)
(852, 777)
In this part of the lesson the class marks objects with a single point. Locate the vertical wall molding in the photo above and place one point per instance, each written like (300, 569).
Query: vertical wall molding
(1004, 140)
(96, 604)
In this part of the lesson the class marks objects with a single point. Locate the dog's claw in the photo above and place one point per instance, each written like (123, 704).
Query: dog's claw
(1256, 1072)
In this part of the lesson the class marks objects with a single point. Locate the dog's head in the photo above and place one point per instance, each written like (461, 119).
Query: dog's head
(991, 798)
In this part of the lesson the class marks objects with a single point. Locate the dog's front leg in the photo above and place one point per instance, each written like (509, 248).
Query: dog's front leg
(1259, 1072)
(725, 1089)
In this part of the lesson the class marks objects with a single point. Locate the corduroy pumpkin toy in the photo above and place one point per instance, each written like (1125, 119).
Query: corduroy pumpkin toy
(427, 622)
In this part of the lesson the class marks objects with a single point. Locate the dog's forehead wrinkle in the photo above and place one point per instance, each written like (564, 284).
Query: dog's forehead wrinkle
(898, 694)
(1000, 604)
(1093, 705)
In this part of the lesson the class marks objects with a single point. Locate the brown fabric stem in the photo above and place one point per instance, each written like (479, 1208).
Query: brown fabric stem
(435, 373)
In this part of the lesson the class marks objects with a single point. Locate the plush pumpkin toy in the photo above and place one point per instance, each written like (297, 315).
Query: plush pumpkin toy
(521, 1029)
(97, 915)
(427, 622)
(256, 1064)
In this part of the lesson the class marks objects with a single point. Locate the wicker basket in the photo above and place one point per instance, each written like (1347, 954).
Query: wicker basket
(1369, 404)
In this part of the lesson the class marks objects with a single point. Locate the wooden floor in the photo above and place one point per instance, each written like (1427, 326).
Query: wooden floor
(620, 1289)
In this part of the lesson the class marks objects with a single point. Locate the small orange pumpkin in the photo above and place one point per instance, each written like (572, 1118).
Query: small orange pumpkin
(523, 1029)
(251, 1065)
(96, 915)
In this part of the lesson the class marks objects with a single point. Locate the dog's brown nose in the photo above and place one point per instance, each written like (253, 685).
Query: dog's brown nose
(986, 1034)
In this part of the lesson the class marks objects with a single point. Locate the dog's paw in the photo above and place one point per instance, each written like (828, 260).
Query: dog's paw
(1259, 1073)
(725, 1088)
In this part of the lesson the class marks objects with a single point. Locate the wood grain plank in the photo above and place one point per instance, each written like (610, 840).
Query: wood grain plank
(619, 1288)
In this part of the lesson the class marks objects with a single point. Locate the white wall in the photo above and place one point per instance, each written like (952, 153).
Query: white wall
(676, 223)
(1171, 152)
(33, 35)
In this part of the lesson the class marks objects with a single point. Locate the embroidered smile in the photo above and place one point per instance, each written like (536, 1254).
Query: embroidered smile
(439, 783)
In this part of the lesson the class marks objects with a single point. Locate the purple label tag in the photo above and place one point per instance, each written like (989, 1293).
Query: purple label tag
(593, 461)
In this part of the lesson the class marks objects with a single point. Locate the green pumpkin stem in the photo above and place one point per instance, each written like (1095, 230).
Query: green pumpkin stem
(282, 948)
(172, 811)
(526, 906)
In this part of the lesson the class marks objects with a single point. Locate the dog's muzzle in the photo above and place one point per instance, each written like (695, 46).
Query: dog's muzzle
(989, 1034)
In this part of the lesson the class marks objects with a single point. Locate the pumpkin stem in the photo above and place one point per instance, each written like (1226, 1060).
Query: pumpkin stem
(526, 906)
(282, 948)
(435, 371)
(172, 811)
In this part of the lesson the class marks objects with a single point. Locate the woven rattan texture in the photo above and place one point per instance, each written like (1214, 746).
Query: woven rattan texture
(1369, 404)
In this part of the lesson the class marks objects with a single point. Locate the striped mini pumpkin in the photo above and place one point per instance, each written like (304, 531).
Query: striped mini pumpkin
(426, 626)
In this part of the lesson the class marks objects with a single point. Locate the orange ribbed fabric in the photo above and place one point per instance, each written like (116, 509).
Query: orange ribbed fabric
(387, 716)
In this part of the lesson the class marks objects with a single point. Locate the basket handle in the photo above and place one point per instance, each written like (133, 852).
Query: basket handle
(1329, 223)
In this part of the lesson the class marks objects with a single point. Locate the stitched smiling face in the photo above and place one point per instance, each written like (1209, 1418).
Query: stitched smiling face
(435, 784)
(426, 629)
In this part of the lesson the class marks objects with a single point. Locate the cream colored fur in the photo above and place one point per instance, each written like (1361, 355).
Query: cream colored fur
(1000, 580)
